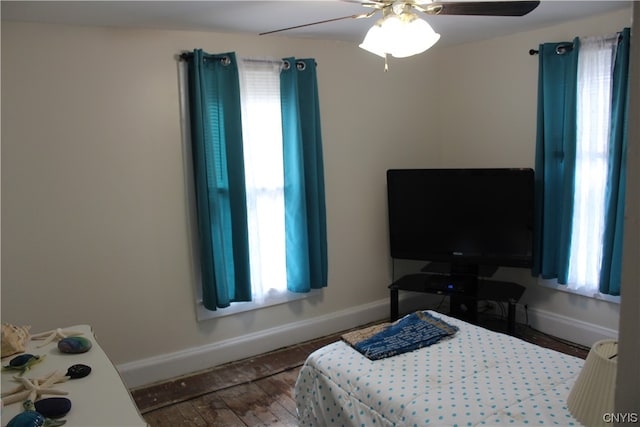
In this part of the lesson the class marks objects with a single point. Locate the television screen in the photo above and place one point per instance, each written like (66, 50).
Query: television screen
(462, 216)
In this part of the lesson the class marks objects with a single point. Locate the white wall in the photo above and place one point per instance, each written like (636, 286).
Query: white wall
(94, 213)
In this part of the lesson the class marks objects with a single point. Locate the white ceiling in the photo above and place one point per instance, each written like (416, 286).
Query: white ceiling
(261, 16)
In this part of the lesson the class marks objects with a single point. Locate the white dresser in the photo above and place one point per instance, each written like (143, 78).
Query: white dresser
(100, 399)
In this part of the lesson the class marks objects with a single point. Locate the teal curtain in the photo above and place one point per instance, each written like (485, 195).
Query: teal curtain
(555, 163)
(610, 275)
(555, 158)
(216, 137)
(305, 212)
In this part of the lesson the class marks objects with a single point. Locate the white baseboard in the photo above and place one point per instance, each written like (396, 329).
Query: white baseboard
(567, 328)
(171, 365)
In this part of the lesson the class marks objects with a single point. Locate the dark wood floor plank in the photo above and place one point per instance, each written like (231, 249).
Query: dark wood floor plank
(284, 418)
(215, 412)
(251, 404)
(181, 414)
(244, 397)
(280, 386)
(189, 387)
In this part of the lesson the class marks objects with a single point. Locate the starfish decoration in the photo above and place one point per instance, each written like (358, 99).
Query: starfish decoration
(54, 335)
(33, 389)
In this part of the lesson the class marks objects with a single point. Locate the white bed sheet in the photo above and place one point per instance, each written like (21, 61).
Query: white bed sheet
(478, 377)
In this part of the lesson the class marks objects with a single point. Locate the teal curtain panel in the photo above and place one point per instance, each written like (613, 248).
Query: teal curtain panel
(305, 211)
(611, 273)
(555, 158)
(216, 137)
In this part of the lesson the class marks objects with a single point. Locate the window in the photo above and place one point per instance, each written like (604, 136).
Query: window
(580, 163)
(593, 111)
(253, 146)
(262, 134)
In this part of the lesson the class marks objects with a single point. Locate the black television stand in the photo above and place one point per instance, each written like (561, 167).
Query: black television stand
(460, 269)
(464, 292)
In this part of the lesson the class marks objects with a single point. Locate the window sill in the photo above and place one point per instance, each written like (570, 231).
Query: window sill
(241, 307)
(553, 284)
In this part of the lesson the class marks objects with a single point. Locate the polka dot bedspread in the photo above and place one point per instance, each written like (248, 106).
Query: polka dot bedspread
(477, 377)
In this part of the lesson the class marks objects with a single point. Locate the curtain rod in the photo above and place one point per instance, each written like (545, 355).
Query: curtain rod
(185, 56)
(300, 65)
(564, 48)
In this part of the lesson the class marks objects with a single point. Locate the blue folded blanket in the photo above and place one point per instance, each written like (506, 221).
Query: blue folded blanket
(414, 331)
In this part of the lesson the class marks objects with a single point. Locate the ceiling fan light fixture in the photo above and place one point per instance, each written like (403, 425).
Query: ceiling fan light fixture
(374, 41)
(400, 35)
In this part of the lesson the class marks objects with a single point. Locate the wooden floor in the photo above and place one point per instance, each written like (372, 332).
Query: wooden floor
(252, 392)
(257, 391)
(264, 402)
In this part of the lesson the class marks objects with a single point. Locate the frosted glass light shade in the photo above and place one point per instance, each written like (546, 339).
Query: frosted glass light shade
(400, 36)
(374, 41)
(592, 395)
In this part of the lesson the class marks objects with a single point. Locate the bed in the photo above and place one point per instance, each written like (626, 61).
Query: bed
(475, 377)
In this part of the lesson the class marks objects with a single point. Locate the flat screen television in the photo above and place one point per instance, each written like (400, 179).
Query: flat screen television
(463, 218)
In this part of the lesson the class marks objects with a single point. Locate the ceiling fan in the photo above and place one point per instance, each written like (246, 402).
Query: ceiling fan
(401, 33)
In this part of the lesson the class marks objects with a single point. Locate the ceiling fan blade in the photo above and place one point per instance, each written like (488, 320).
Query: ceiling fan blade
(357, 16)
(366, 3)
(481, 8)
